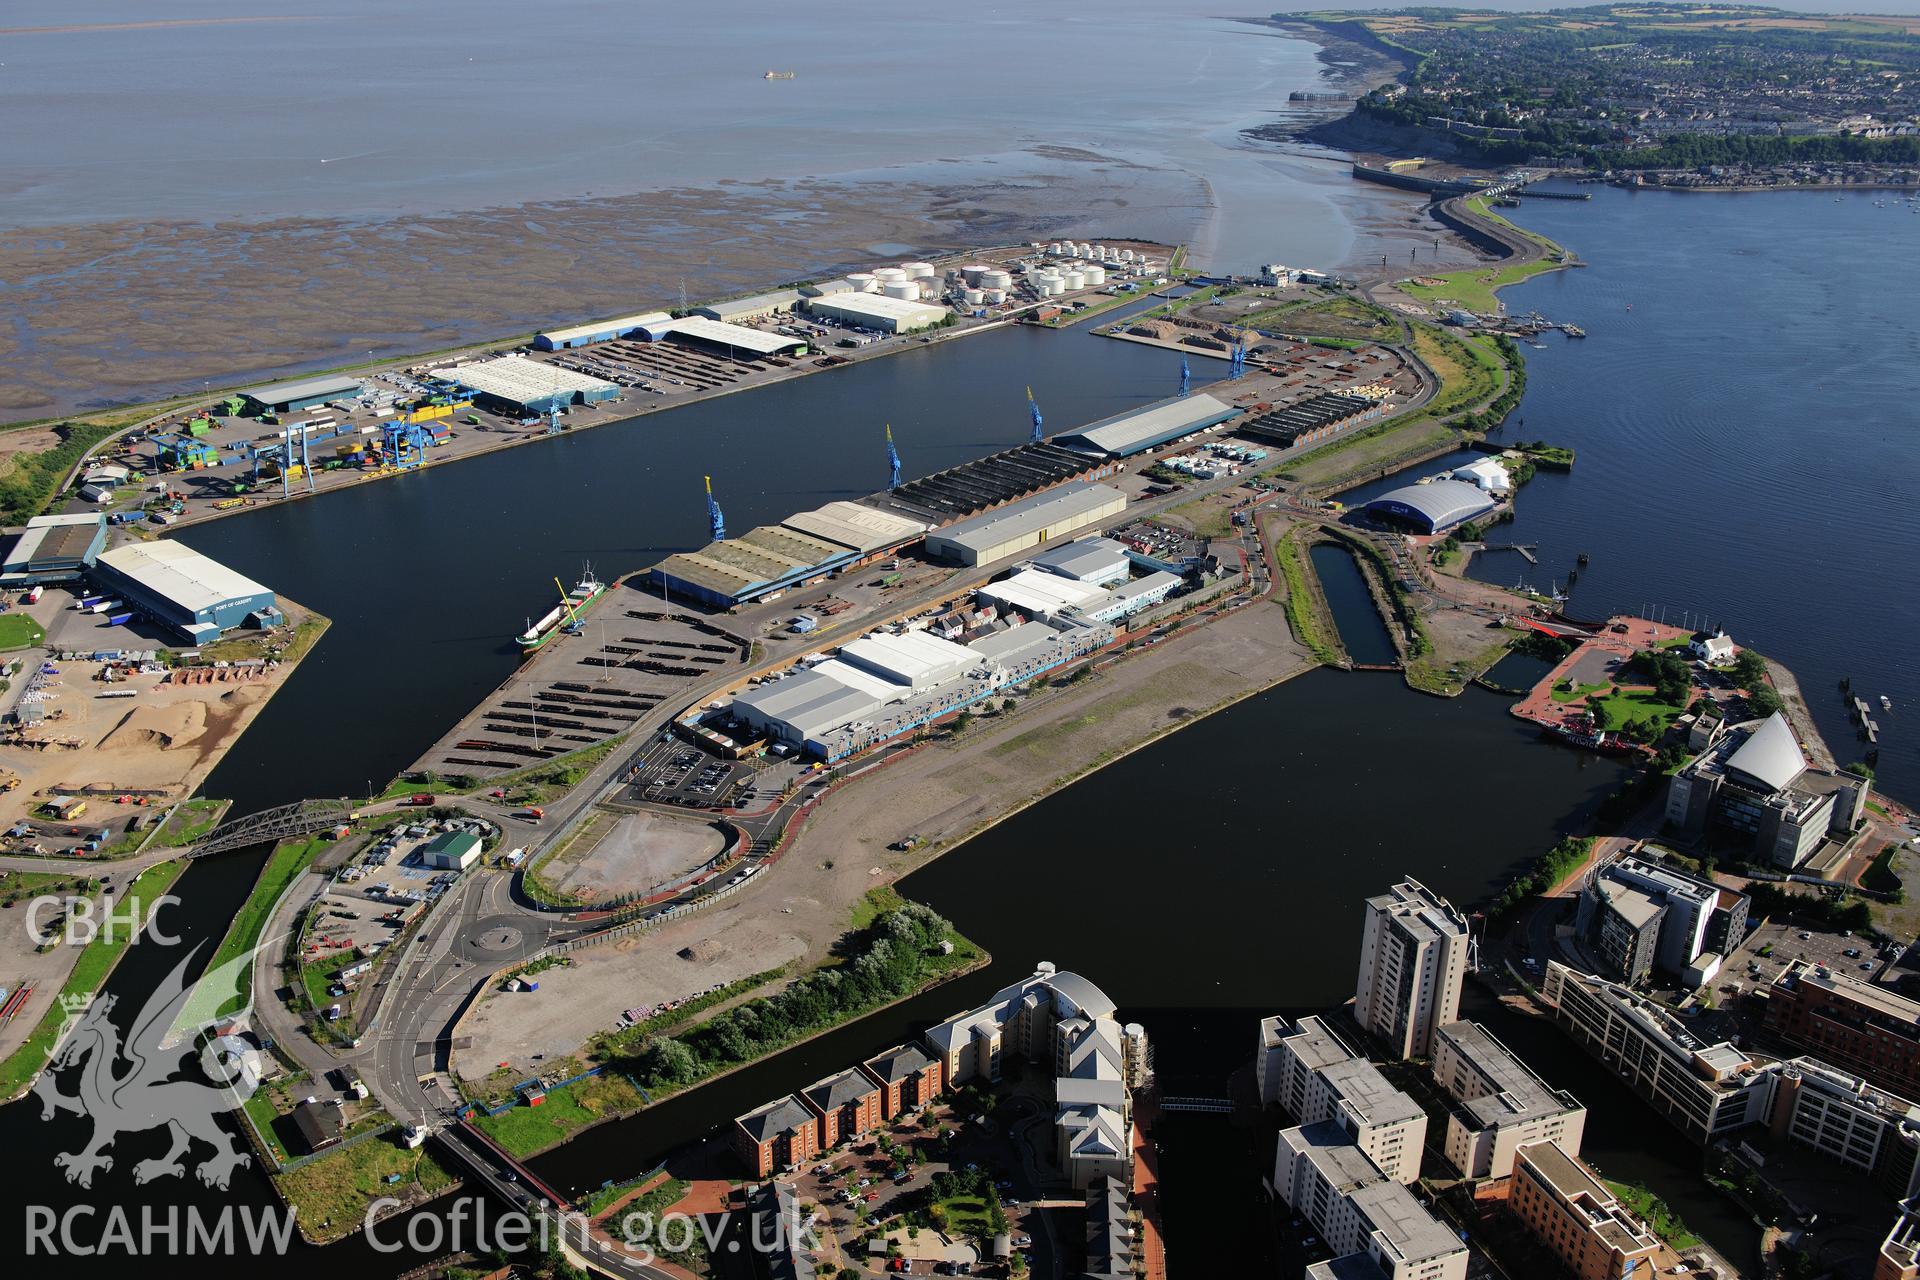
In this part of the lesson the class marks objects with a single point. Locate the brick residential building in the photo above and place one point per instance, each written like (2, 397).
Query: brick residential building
(780, 1135)
(847, 1105)
(1569, 1210)
(1866, 1029)
(907, 1078)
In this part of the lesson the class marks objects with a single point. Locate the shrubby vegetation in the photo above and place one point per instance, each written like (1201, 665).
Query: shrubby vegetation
(893, 957)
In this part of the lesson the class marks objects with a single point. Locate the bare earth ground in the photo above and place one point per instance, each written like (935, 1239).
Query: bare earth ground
(638, 852)
(232, 302)
(167, 739)
(945, 792)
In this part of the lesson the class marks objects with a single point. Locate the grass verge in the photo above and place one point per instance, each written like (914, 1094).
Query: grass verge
(1657, 1213)
(283, 866)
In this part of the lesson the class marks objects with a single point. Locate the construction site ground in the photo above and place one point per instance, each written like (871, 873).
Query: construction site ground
(945, 791)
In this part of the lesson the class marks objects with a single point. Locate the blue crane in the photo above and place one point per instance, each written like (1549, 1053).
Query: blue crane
(716, 523)
(1033, 407)
(893, 462)
(1186, 375)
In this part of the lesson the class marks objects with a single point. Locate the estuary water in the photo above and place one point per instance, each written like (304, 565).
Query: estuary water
(366, 109)
(1749, 449)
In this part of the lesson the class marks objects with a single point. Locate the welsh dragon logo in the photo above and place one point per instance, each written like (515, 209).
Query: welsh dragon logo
(130, 1087)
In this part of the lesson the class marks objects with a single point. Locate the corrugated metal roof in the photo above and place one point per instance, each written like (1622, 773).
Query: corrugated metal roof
(1030, 515)
(878, 306)
(1440, 502)
(519, 379)
(735, 335)
(180, 574)
(1141, 429)
(625, 324)
(852, 525)
(279, 392)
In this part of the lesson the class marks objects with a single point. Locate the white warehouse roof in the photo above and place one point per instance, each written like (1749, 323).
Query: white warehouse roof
(1088, 560)
(876, 306)
(1142, 429)
(1070, 503)
(1036, 592)
(865, 529)
(625, 324)
(914, 658)
(735, 335)
(181, 574)
(520, 379)
(810, 703)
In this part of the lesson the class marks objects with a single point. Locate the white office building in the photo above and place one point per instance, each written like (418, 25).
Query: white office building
(1415, 952)
(1363, 1215)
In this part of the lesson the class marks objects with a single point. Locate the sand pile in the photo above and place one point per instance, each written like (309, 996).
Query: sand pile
(165, 727)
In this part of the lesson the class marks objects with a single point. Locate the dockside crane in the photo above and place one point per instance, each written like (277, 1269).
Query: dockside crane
(716, 523)
(893, 462)
(1186, 375)
(572, 625)
(1033, 408)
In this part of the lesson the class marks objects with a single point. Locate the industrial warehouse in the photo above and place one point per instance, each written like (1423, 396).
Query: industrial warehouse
(879, 312)
(1139, 430)
(1434, 506)
(1312, 419)
(518, 384)
(179, 588)
(1019, 526)
(584, 335)
(1050, 611)
(287, 397)
(805, 548)
(54, 549)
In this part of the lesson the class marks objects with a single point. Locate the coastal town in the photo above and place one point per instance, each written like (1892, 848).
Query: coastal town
(636, 928)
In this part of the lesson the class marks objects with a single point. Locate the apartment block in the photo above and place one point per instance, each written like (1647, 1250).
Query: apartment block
(846, 1104)
(1062, 1020)
(781, 1135)
(907, 1078)
(1316, 1078)
(1846, 1119)
(1866, 1029)
(1360, 1212)
(1499, 1103)
(1415, 952)
(1572, 1213)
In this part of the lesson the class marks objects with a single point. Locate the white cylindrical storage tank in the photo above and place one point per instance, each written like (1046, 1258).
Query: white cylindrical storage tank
(995, 297)
(864, 281)
(1054, 248)
(1096, 276)
(1126, 255)
(995, 279)
(907, 289)
(1056, 287)
(886, 275)
(1086, 250)
(918, 270)
(1074, 279)
(974, 297)
(973, 271)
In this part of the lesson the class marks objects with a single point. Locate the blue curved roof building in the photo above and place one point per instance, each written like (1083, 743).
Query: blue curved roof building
(1433, 507)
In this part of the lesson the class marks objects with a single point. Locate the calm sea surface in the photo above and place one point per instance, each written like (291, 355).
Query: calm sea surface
(1749, 447)
(359, 108)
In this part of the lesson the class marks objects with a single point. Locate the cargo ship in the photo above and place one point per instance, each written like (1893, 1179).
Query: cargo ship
(556, 619)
